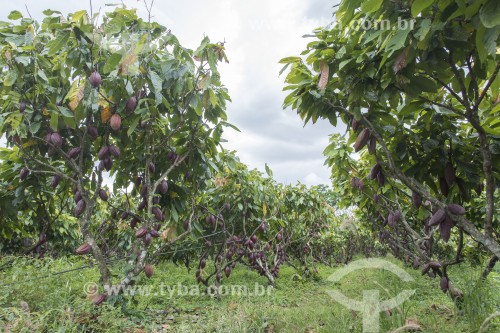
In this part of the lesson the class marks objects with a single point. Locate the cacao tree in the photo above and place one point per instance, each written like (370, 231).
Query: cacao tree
(416, 83)
(120, 103)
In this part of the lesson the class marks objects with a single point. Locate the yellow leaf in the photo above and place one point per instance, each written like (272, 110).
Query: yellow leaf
(75, 95)
(264, 209)
(168, 234)
(127, 64)
(45, 112)
(106, 113)
(324, 73)
(29, 143)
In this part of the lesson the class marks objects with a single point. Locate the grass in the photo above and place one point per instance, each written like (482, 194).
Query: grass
(59, 304)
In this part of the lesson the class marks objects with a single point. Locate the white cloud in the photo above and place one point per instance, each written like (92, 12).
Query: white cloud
(258, 34)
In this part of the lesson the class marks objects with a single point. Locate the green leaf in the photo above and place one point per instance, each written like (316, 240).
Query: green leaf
(112, 63)
(66, 112)
(419, 6)
(42, 75)
(397, 41)
(371, 6)
(157, 85)
(34, 127)
(10, 78)
(213, 98)
(490, 14)
(133, 125)
(49, 12)
(59, 42)
(268, 170)
(15, 15)
(54, 121)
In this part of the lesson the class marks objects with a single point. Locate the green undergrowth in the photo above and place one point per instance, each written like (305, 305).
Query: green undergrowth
(170, 301)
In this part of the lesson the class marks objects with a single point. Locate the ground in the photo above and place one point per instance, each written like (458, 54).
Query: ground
(173, 303)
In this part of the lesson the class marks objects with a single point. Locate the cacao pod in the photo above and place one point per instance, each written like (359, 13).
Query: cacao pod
(124, 215)
(227, 207)
(449, 174)
(203, 263)
(157, 213)
(115, 151)
(84, 249)
(151, 167)
(253, 239)
(361, 185)
(444, 186)
(22, 106)
(372, 145)
(108, 163)
(144, 191)
(98, 300)
(279, 237)
(114, 214)
(443, 284)
(133, 222)
(154, 233)
(148, 270)
(74, 152)
(56, 140)
(93, 132)
(23, 174)
(354, 124)
(78, 197)
(375, 170)
(156, 200)
(55, 181)
(103, 195)
(141, 232)
(143, 204)
(456, 209)
(163, 187)
(437, 217)
(445, 228)
(147, 239)
(381, 178)
(103, 153)
(361, 140)
(115, 122)
(390, 220)
(417, 199)
(131, 105)
(95, 79)
(185, 224)
(80, 207)
(227, 271)
(376, 198)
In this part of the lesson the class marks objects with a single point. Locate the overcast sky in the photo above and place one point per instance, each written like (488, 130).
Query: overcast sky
(258, 34)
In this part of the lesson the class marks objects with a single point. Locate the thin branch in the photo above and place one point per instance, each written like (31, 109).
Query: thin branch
(487, 87)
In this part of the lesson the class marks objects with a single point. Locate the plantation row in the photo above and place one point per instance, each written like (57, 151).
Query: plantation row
(114, 136)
